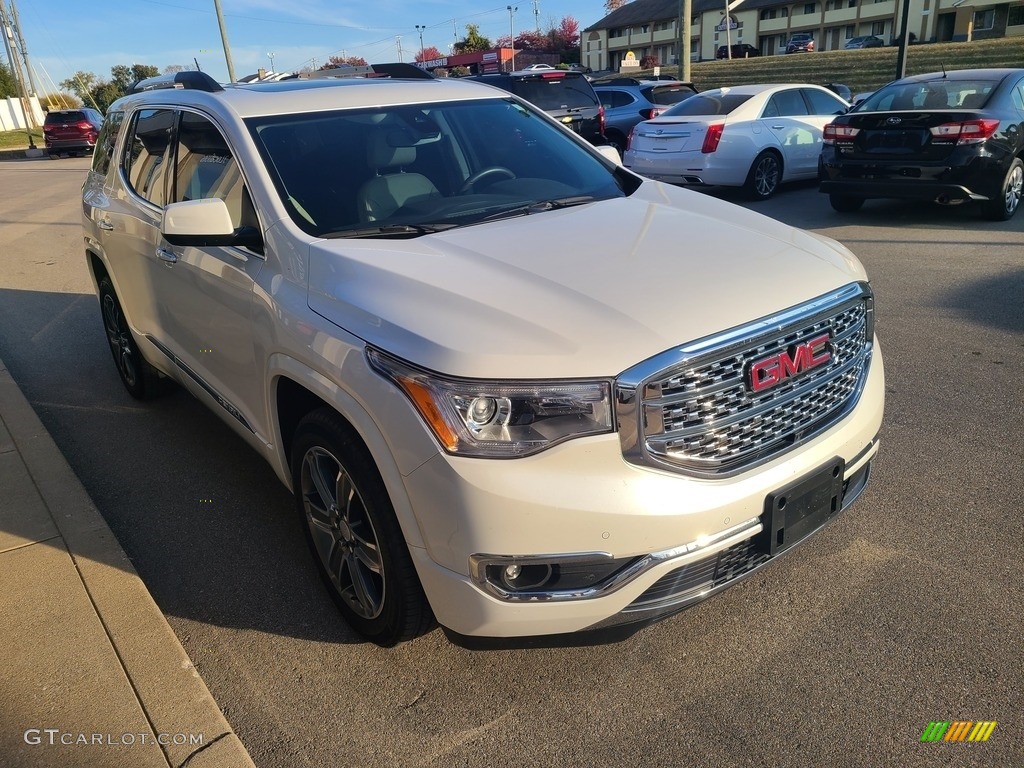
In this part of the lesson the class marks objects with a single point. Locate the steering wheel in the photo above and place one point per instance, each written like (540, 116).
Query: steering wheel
(491, 171)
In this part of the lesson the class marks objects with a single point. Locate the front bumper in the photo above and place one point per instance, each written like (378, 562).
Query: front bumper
(683, 538)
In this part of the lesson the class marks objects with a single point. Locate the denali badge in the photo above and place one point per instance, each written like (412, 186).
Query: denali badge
(798, 359)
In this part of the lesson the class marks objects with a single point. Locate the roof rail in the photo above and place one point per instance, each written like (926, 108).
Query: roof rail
(189, 80)
(398, 70)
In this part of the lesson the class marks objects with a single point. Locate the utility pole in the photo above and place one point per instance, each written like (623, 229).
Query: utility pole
(19, 78)
(685, 30)
(536, 14)
(398, 42)
(901, 56)
(271, 57)
(24, 49)
(224, 40)
(511, 34)
(420, 28)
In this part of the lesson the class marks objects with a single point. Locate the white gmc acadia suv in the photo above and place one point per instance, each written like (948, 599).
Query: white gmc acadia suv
(512, 385)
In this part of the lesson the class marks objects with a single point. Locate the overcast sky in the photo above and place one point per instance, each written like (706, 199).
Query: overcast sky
(64, 36)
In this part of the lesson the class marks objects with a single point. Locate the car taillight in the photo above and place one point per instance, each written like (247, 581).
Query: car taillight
(833, 132)
(552, 76)
(47, 128)
(712, 137)
(967, 132)
(83, 125)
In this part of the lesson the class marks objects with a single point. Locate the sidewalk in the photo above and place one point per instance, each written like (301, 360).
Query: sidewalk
(91, 674)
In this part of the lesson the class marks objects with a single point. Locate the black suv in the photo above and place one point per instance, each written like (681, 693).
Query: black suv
(71, 131)
(566, 96)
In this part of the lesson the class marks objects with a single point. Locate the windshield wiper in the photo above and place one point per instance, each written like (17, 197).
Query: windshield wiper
(390, 230)
(539, 206)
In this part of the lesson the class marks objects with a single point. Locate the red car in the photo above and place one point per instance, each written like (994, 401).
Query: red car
(71, 131)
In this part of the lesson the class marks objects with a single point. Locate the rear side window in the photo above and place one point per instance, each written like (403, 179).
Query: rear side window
(555, 92)
(668, 94)
(145, 157)
(610, 99)
(104, 150)
(707, 104)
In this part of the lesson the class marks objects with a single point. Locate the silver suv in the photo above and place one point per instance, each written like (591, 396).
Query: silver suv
(512, 385)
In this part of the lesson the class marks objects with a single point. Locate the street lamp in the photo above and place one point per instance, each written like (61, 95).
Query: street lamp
(420, 28)
(511, 33)
(271, 55)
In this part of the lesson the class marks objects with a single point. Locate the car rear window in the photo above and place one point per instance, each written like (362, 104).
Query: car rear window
(64, 117)
(555, 92)
(707, 104)
(935, 94)
(668, 94)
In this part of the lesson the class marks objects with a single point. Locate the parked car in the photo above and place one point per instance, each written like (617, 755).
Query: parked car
(865, 41)
(800, 42)
(535, 67)
(627, 101)
(455, 332)
(841, 90)
(739, 51)
(948, 137)
(566, 96)
(750, 136)
(71, 131)
(581, 68)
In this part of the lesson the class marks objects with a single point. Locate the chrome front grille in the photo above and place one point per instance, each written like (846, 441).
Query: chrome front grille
(695, 409)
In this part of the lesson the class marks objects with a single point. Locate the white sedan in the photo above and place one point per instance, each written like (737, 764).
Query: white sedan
(750, 136)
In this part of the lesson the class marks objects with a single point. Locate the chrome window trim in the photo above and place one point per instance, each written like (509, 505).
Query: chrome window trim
(629, 385)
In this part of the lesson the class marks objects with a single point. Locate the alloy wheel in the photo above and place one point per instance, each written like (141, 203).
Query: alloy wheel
(1014, 189)
(120, 340)
(342, 532)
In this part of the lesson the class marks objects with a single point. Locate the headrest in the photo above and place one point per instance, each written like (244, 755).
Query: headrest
(383, 154)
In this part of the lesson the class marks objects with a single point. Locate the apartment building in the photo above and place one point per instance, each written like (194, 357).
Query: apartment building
(650, 27)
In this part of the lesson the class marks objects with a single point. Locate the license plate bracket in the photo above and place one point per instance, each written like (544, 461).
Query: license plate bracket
(795, 511)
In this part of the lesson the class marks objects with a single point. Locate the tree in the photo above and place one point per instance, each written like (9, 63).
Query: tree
(344, 61)
(567, 34)
(80, 84)
(473, 41)
(428, 54)
(7, 85)
(171, 69)
(613, 5)
(649, 62)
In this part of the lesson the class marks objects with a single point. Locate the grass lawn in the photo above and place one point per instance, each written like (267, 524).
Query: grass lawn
(19, 139)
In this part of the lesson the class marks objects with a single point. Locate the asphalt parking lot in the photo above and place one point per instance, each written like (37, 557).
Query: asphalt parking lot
(908, 609)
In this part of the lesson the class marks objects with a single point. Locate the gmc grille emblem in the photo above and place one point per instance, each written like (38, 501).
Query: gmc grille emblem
(798, 359)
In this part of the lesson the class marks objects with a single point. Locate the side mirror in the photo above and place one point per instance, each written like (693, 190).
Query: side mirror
(206, 223)
(609, 153)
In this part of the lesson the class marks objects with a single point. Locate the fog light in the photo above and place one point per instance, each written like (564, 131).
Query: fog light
(512, 573)
(517, 577)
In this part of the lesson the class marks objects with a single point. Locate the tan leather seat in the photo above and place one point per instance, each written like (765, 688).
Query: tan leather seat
(391, 188)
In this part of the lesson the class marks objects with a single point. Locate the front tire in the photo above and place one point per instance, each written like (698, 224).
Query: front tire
(845, 203)
(138, 377)
(764, 176)
(352, 530)
(1006, 203)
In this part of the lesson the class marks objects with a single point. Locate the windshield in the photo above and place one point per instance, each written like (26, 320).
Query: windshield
(412, 169)
(708, 103)
(934, 94)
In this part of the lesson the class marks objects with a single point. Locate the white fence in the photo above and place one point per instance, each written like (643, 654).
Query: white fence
(12, 115)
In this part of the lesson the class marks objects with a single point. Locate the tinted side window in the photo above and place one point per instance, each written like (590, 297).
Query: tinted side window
(823, 104)
(671, 94)
(610, 99)
(556, 93)
(205, 167)
(786, 104)
(146, 153)
(105, 142)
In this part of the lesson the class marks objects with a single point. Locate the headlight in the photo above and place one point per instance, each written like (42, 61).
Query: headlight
(500, 419)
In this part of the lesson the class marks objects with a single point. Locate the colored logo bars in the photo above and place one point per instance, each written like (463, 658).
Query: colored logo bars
(959, 730)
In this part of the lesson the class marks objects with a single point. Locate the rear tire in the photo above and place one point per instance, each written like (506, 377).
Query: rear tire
(140, 378)
(352, 530)
(1003, 206)
(764, 176)
(846, 203)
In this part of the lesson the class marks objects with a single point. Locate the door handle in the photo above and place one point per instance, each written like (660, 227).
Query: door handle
(170, 257)
(105, 225)
(778, 127)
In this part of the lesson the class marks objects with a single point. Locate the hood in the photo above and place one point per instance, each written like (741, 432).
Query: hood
(581, 292)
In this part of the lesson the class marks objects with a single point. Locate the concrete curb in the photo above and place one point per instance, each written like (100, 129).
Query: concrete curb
(24, 153)
(170, 692)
